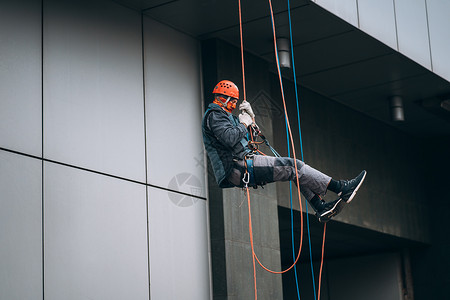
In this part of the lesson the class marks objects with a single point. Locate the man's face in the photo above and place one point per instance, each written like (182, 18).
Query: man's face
(231, 104)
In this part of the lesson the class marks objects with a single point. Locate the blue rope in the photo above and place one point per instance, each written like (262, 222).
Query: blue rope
(275, 153)
(290, 183)
(301, 151)
(292, 221)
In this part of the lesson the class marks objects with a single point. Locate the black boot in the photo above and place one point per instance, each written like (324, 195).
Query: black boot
(330, 209)
(326, 210)
(350, 187)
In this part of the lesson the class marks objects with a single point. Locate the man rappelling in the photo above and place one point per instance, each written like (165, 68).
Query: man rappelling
(235, 164)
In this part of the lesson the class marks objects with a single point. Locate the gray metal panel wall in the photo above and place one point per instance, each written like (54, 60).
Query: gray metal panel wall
(20, 227)
(20, 76)
(439, 24)
(173, 108)
(347, 9)
(414, 28)
(75, 218)
(175, 160)
(95, 236)
(179, 266)
(93, 94)
(378, 19)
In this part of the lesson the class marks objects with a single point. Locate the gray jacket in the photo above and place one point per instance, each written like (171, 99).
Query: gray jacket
(225, 139)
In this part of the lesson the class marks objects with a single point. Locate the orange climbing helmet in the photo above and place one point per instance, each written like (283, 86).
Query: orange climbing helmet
(226, 94)
(227, 88)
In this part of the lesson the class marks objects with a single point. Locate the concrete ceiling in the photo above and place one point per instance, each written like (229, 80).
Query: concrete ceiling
(332, 57)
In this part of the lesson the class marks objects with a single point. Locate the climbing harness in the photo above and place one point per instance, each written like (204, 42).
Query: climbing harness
(249, 175)
(254, 147)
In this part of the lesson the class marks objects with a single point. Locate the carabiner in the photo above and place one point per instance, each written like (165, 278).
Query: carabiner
(246, 179)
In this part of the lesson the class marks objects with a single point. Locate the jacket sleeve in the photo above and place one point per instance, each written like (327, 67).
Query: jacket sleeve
(224, 130)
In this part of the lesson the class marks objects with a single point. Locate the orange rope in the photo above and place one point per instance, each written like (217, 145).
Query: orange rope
(295, 161)
(253, 143)
(254, 256)
(242, 51)
(248, 193)
(260, 152)
(321, 261)
(251, 243)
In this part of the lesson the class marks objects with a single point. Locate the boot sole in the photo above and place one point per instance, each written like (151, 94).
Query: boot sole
(337, 208)
(356, 189)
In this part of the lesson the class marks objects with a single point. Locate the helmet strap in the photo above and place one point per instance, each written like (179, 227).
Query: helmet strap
(223, 103)
(226, 102)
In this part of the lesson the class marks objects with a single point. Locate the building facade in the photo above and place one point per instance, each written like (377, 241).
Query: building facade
(105, 188)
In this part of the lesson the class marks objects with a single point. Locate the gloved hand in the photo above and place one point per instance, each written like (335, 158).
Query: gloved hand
(245, 119)
(245, 106)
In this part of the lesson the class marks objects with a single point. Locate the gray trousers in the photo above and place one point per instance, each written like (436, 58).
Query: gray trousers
(268, 169)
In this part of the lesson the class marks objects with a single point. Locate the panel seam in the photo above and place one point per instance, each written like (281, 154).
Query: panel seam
(42, 151)
(396, 26)
(102, 173)
(145, 154)
(429, 36)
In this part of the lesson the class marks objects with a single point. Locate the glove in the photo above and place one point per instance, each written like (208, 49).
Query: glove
(245, 119)
(245, 106)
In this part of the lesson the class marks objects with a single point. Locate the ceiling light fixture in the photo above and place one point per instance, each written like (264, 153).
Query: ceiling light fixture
(284, 53)
(445, 104)
(397, 112)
